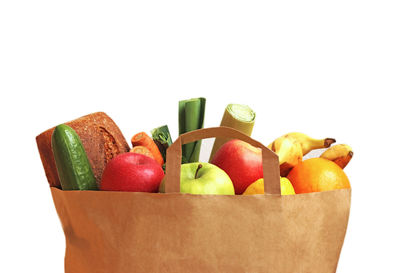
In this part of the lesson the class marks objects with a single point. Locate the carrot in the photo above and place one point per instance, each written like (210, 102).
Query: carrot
(142, 150)
(142, 139)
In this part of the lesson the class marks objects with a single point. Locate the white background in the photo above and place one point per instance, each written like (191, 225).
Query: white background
(325, 68)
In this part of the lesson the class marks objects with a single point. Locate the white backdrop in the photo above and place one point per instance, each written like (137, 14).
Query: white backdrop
(325, 68)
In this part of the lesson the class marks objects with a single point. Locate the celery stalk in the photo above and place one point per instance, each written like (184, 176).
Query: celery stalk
(191, 117)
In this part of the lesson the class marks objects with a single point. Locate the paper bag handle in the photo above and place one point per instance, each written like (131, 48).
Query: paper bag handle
(174, 157)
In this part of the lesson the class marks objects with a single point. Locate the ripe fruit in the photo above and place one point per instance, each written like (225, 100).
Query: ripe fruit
(289, 152)
(291, 147)
(341, 154)
(132, 172)
(317, 174)
(241, 161)
(308, 143)
(258, 187)
(203, 178)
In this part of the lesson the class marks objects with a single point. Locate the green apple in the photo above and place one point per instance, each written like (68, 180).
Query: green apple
(203, 178)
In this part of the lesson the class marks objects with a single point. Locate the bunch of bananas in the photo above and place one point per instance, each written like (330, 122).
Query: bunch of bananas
(292, 147)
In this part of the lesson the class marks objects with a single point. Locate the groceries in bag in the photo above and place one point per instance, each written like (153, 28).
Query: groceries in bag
(100, 160)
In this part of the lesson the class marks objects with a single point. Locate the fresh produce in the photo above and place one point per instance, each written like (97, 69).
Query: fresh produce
(91, 152)
(132, 172)
(308, 143)
(317, 174)
(142, 150)
(142, 139)
(162, 138)
(241, 161)
(258, 187)
(341, 154)
(203, 178)
(73, 167)
(289, 152)
(191, 117)
(239, 117)
(292, 147)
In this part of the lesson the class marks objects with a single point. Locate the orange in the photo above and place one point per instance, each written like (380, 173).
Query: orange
(317, 174)
(257, 187)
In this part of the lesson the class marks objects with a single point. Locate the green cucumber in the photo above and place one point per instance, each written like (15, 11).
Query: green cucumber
(72, 163)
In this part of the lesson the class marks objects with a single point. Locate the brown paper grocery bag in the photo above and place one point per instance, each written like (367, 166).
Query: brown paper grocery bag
(123, 232)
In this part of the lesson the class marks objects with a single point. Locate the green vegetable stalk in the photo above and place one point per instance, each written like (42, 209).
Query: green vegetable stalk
(191, 117)
(162, 138)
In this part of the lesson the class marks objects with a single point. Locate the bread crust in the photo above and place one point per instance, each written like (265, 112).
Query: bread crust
(100, 136)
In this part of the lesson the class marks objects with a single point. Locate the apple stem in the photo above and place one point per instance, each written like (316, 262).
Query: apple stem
(198, 168)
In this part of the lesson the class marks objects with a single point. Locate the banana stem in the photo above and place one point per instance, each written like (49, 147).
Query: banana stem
(328, 142)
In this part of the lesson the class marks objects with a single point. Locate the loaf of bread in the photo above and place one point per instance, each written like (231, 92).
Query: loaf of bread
(100, 136)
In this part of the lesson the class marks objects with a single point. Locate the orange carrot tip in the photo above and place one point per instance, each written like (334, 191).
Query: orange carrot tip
(142, 150)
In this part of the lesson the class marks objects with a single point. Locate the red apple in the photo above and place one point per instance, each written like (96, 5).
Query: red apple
(132, 172)
(241, 161)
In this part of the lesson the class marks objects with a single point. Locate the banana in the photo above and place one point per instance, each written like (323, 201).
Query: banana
(289, 152)
(341, 154)
(291, 147)
(308, 143)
